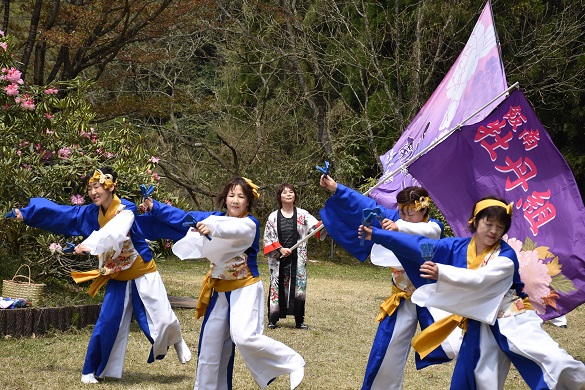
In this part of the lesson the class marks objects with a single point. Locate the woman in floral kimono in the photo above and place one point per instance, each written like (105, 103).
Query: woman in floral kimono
(126, 267)
(288, 268)
(478, 280)
(232, 294)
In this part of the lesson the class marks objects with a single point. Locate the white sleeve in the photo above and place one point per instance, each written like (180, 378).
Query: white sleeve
(428, 229)
(112, 235)
(229, 237)
(475, 294)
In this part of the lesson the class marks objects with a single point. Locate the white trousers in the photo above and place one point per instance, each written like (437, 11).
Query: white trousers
(526, 338)
(236, 319)
(154, 315)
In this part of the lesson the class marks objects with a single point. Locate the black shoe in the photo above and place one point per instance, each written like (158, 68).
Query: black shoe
(301, 326)
(271, 325)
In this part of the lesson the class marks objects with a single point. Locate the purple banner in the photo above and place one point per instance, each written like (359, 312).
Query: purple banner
(509, 154)
(478, 68)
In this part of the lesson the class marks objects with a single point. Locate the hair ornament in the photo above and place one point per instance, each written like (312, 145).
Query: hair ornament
(254, 187)
(105, 179)
(424, 202)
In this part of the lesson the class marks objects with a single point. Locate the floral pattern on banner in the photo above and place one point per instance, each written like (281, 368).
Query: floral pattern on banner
(540, 270)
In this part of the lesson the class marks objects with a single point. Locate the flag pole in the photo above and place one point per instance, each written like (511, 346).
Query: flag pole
(437, 141)
(405, 165)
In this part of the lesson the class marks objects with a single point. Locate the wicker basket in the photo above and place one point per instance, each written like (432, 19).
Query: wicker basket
(28, 290)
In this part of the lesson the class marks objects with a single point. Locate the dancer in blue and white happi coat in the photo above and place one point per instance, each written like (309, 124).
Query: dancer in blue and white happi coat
(398, 316)
(127, 269)
(477, 279)
(232, 295)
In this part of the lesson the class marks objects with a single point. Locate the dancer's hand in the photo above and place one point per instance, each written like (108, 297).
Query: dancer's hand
(367, 230)
(429, 270)
(147, 204)
(81, 250)
(203, 229)
(327, 182)
(388, 224)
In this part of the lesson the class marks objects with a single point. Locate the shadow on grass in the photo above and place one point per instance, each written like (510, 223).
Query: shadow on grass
(136, 378)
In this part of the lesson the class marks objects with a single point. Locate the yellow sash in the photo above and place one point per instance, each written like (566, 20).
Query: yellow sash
(138, 268)
(221, 285)
(430, 338)
(391, 303)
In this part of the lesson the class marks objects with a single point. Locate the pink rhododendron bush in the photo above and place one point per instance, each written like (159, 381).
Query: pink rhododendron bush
(49, 140)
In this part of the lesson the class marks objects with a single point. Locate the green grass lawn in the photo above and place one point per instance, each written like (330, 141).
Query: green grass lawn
(342, 304)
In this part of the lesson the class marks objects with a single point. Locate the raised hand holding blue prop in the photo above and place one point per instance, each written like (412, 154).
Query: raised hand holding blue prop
(146, 191)
(368, 216)
(192, 223)
(325, 169)
(11, 214)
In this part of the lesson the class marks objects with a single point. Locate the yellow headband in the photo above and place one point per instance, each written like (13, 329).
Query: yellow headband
(254, 188)
(421, 203)
(105, 179)
(483, 204)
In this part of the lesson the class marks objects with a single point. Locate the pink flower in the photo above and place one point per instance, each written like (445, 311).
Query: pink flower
(77, 200)
(28, 104)
(64, 152)
(51, 91)
(48, 115)
(155, 176)
(12, 75)
(54, 247)
(11, 90)
(1, 33)
(154, 160)
(4, 46)
(108, 154)
(18, 152)
(149, 171)
(49, 131)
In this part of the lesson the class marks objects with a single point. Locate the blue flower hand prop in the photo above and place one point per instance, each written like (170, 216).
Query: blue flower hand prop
(192, 223)
(368, 216)
(146, 191)
(70, 248)
(11, 214)
(427, 251)
(325, 169)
